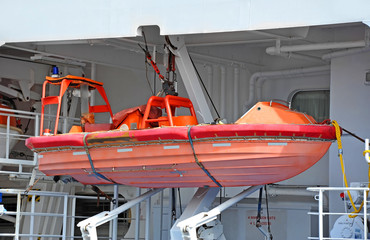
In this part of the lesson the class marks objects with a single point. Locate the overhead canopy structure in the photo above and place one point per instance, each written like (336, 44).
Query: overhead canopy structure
(22, 21)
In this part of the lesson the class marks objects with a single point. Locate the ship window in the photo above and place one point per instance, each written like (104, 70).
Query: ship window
(315, 103)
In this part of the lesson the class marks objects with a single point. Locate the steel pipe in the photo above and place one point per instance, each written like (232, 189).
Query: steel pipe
(315, 47)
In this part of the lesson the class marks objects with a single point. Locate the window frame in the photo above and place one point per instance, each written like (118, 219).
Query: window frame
(295, 92)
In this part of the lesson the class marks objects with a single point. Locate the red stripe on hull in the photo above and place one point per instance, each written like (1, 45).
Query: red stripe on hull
(324, 132)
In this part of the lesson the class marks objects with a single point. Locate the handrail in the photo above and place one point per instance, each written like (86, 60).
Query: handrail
(8, 135)
(288, 104)
(32, 214)
(366, 152)
(28, 113)
(321, 212)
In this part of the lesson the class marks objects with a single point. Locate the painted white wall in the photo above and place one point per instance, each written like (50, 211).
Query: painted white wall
(282, 88)
(349, 105)
(15, 69)
(127, 87)
(240, 223)
(224, 98)
(101, 19)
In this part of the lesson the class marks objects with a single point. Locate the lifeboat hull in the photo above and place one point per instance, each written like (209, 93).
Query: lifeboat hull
(234, 155)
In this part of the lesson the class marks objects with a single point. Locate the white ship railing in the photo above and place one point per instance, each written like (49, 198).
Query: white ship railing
(68, 221)
(321, 213)
(7, 160)
(21, 159)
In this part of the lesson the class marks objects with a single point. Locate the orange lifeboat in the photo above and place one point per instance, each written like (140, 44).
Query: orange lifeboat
(270, 143)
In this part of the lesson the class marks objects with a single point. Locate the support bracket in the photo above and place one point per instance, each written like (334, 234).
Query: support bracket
(89, 225)
(189, 226)
(190, 78)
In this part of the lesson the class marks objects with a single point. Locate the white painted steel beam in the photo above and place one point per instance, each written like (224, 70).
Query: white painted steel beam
(189, 226)
(8, 218)
(190, 79)
(115, 205)
(44, 20)
(89, 225)
(201, 201)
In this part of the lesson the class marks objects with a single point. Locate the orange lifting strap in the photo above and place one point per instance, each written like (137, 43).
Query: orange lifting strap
(75, 82)
(170, 103)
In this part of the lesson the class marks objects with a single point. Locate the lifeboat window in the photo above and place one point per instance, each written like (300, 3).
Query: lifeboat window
(313, 102)
(182, 111)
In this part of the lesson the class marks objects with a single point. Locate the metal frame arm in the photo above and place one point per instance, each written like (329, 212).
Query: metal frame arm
(89, 225)
(189, 226)
(190, 78)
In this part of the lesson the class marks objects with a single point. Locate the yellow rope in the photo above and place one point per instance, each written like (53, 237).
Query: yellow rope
(340, 153)
(366, 151)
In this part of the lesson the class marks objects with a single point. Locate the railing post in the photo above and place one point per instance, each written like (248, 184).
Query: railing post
(170, 217)
(37, 125)
(37, 130)
(65, 213)
(115, 221)
(365, 215)
(73, 216)
(32, 220)
(18, 216)
(321, 230)
(147, 218)
(7, 138)
(161, 217)
(137, 217)
(20, 168)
